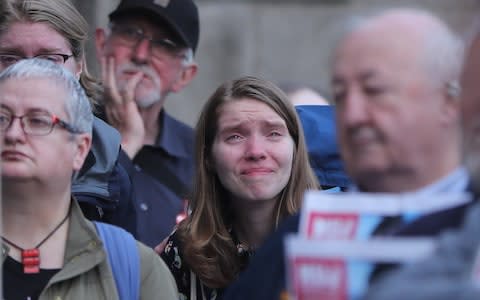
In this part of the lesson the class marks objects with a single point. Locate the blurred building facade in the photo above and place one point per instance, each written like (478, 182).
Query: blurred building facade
(280, 40)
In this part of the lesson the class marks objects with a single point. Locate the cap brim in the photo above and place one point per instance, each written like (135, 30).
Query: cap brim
(155, 16)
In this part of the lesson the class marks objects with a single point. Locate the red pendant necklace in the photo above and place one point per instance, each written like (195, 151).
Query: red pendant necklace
(31, 257)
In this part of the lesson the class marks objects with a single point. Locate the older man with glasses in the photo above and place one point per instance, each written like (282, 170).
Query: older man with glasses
(146, 53)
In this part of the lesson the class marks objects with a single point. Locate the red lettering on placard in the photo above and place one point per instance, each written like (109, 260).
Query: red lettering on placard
(319, 278)
(332, 226)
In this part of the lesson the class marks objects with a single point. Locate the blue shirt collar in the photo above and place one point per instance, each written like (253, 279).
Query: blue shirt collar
(167, 139)
(455, 181)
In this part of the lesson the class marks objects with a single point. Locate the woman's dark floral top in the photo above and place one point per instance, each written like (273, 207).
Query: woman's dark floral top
(172, 255)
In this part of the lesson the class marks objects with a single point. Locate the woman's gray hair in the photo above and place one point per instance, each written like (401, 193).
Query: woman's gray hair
(77, 105)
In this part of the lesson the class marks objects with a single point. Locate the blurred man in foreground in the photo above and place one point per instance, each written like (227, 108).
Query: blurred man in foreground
(454, 271)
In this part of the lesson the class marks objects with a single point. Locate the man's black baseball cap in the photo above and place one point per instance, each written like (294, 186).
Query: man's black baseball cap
(181, 16)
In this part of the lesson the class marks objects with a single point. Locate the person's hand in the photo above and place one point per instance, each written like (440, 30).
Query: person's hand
(120, 107)
(159, 248)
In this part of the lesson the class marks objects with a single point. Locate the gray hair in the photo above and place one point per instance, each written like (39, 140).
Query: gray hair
(443, 54)
(442, 50)
(77, 105)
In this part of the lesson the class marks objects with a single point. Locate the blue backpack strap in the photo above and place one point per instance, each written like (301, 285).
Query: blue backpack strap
(124, 259)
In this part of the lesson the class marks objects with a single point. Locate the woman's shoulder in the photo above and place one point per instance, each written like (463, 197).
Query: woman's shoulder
(155, 276)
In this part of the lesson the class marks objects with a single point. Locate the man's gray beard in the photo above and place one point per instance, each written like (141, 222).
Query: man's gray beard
(142, 99)
(148, 99)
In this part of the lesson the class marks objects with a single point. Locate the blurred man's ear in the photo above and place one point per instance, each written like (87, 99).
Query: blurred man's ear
(83, 143)
(185, 77)
(451, 105)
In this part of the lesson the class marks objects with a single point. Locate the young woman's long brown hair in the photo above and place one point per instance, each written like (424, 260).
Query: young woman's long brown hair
(208, 246)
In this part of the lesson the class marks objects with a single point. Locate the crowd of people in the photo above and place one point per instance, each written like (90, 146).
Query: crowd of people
(96, 174)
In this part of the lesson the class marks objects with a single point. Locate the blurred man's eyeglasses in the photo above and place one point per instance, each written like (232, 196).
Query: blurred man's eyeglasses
(131, 36)
(9, 59)
(34, 123)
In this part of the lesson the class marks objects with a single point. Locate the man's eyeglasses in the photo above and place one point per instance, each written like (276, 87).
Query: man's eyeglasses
(58, 58)
(131, 36)
(34, 123)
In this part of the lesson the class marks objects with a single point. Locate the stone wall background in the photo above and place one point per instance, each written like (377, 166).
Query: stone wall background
(280, 40)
